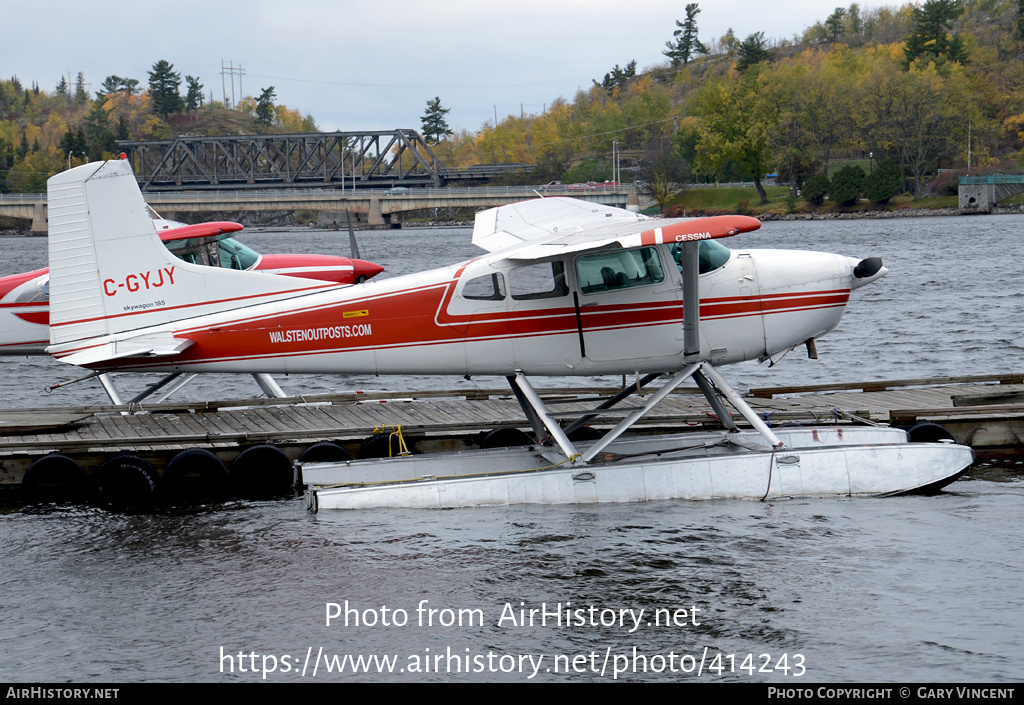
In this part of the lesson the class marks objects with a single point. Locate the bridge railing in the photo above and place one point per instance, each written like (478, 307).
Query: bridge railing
(307, 194)
(398, 191)
(22, 197)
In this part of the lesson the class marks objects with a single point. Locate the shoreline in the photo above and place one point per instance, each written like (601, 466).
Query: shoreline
(764, 217)
(885, 214)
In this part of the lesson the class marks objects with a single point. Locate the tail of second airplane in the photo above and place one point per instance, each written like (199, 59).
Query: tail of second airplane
(112, 280)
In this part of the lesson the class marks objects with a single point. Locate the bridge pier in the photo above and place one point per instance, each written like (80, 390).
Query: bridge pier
(39, 225)
(376, 216)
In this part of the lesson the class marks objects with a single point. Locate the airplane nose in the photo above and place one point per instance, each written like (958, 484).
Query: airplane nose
(866, 271)
(363, 270)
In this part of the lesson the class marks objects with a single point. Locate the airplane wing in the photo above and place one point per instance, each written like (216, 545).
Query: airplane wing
(549, 227)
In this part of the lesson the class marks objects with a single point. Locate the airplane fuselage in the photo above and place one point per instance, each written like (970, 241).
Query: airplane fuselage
(616, 311)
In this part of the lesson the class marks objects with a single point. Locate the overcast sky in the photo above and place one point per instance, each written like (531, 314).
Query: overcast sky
(361, 65)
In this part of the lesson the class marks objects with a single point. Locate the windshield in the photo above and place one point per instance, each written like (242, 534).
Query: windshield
(711, 256)
(224, 251)
(235, 255)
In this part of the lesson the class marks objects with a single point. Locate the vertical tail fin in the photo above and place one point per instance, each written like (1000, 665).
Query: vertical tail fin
(109, 272)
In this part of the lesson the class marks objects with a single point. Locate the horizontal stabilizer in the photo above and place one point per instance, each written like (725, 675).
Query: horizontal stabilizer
(141, 346)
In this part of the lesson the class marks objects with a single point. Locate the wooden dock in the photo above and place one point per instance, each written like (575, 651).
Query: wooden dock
(234, 441)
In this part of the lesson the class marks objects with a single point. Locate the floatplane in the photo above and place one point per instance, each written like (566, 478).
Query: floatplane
(567, 288)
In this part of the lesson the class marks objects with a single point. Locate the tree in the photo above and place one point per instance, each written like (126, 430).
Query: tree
(265, 107)
(62, 88)
(73, 144)
(194, 97)
(835, 25)
(883, 183)
(930, 38)
(81, 96)
(739, 117)
(617, 77)
(815, 189)
(846, 185)
(686, 44)
(98, 134)
(435, 127)
(29, 174)
(661, 170)
(919, 116)
(163, 89)
(115, 84)
(752, 50)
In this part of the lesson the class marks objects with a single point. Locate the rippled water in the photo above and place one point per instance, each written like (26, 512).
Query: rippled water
(903, 589)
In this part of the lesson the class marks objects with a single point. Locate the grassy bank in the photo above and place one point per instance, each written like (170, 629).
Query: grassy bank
(710, 201)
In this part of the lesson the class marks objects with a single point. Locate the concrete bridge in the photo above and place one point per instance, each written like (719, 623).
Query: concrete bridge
(376, 205)
(977, 194)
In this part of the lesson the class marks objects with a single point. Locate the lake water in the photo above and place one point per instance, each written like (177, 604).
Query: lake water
(918, 589)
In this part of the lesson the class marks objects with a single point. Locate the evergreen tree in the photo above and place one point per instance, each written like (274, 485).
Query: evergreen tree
(752, 50)
(194, 97)
(835, 25)
(163, 89)
(99, 136)
(686, 44)
(883, 183)
(930, 38)
(265, 107)
(617, 77)
(846, 185)
(815, 189)
(73, 145)
(62, 88)
(121, 130)
(435, 127)
(81, 96)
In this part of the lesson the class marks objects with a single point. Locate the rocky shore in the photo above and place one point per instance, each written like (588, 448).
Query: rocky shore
(899, 213)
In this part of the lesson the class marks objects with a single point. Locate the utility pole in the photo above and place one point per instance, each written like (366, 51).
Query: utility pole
(230, 69)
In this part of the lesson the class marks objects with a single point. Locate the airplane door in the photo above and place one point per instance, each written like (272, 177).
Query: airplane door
(732, 320)
(627, 307)
(543, 318)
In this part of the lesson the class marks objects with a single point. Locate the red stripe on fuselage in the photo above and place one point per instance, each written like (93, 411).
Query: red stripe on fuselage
(419, 317)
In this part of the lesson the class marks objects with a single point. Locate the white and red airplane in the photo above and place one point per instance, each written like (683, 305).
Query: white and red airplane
(24, 298)
(567, 288)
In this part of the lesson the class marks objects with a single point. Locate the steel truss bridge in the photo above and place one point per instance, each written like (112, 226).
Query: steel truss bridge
(378, 158)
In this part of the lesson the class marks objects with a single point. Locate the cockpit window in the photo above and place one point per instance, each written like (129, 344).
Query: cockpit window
(235, 255)
(619, 269)
(538, 281)
(710, 257)
(489, 287)
(225, 252)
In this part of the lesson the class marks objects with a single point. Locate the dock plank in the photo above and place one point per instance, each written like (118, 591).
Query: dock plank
(227, 426)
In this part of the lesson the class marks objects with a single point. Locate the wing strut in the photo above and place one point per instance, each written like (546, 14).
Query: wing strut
(691, 299)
